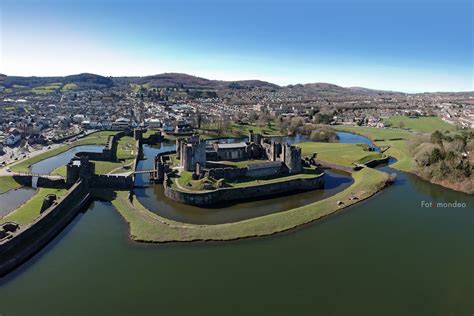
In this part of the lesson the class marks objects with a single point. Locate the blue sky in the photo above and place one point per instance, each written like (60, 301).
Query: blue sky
(403, 45)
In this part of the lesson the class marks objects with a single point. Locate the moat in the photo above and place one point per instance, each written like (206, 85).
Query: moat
(386, 255)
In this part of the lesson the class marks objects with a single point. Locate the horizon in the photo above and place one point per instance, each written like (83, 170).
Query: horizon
(249, 79)
(410, 47)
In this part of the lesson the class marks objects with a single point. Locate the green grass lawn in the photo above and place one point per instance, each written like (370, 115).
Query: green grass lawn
(126, 148)
(99, 138)
(26, 213)
(342, 154)
(243, 163)
(396, 139)
(186, 182)
(252, 182)
(148, 226)
(7, 184)
(47, 89)
(105, 167)
(425, 124)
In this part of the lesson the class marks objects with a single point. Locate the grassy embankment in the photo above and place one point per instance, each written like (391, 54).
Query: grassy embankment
(150, 227)
(125, 155)
(342, 154)
(30, 210)
(394, 138)
(7, 183)
(99, 138)
(425, 124)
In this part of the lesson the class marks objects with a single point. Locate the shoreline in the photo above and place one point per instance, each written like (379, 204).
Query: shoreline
(395, 154)
(444, 183)
(148, 227)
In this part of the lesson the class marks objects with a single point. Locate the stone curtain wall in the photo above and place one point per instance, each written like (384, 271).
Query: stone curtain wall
(42, 182)
(31, 238)
(244, 193)
(262, 170)
(112, 181)
(226, 173)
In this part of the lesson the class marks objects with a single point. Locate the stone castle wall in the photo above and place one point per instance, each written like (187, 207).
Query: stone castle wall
(112, 181)
(29, 239)
(42, 182)
(223, 195)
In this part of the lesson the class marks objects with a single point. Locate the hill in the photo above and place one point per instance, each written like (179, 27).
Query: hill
(82, 81)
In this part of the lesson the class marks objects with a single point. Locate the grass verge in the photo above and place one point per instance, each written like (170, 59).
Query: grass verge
(146, 226)
(8, 183)
(30, 210)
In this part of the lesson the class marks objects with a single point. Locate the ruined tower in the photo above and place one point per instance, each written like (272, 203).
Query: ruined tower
(291, 157)
(190, 152)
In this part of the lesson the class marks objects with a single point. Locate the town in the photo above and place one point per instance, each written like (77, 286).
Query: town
(35, 116)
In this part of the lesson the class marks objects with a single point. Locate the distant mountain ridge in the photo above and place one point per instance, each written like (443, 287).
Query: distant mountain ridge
(181, 80)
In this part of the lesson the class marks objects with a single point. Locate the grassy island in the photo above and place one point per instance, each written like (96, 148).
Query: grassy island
(339, 153)
(147, 226)
(393, 139)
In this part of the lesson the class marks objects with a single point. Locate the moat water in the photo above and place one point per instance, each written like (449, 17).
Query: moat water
(387, 255)
(48, 165)
(153, 198)
(12, 199)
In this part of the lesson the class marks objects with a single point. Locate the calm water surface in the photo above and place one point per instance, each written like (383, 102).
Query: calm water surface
(10, 200)
(49, 164)
(384, 256)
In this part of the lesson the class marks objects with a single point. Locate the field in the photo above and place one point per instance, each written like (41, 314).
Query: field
(99, 138)
(425, 124)
(26, 213)
(342, 154)
(395, 139)
(47, 89)
(150, 227)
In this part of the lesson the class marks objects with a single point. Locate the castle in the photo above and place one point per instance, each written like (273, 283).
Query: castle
(194, 154)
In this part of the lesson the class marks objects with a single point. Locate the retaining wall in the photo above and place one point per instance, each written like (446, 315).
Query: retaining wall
(244, 193)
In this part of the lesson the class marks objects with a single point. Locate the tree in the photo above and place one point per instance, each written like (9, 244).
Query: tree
(436, 155)
(437, 138)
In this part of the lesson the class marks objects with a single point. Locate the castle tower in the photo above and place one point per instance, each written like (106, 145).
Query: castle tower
(191, 152)
(291, 157)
